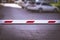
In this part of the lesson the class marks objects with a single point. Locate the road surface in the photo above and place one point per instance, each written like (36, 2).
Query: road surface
(22, 14)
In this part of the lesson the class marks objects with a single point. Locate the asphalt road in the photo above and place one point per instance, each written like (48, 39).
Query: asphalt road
(28, 32)
(22, 14)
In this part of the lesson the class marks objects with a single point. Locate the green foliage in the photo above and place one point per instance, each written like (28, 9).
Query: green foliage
(56, 4)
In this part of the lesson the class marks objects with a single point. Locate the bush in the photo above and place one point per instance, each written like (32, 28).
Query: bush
(56, 4)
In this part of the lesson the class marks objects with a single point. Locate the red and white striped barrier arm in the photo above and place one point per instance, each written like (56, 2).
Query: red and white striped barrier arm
(29, 21)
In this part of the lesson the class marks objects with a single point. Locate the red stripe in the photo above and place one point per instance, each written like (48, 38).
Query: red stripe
(8, 22)
(30, 22)
(51, 22)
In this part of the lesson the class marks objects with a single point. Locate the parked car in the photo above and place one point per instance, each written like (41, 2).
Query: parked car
(24, 4)
(17, 2)
(42, 6)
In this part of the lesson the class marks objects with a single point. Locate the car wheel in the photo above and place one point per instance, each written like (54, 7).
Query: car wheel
(55, 10)
(23, 7)
(26, 8)
(40, 10)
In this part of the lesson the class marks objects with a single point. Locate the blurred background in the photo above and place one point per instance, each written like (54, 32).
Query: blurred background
(17, 10)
